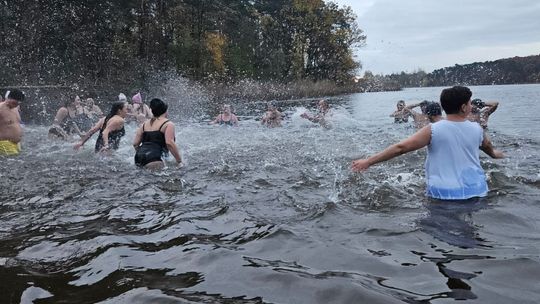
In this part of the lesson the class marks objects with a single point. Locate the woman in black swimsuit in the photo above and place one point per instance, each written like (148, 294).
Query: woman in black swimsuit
(111, 129)
(68, 120)
(155, 138)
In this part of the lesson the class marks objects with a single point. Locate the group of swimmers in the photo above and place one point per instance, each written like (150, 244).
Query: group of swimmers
(431, 112)
(153, 140)
(453, 170)
(273, 117)
(76, 117)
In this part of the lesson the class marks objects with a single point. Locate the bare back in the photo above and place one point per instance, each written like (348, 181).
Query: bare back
(420, 120)
(10, 129)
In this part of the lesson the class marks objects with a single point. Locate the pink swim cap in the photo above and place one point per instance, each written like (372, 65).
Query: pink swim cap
(137, 98)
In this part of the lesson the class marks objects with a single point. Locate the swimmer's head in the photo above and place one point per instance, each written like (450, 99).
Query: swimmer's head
(401, 104)
(158, 107)
(226, 108)
(137, 98)
(478, 103)
(433, 109)
(122, 97)
(423, 106)
(323, 105)
(117, 108)
(90, 102)
(14, 97)
(73, 102)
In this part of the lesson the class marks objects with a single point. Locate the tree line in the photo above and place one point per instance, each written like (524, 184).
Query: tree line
(123, 43)
(516, 70)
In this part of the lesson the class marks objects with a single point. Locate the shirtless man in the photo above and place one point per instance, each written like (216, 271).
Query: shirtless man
(272, 116)
(481, 111)
(10, 128)
(420, 119)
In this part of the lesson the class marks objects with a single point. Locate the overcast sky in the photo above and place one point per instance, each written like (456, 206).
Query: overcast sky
(406, 35)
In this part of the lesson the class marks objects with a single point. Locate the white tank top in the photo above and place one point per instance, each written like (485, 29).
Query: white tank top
(453, 170)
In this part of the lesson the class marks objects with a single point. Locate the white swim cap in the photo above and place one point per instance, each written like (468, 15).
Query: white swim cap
(122, 97)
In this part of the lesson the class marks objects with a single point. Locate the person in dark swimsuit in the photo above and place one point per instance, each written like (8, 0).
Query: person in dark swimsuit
(226, 118)
(67, 119)
(111, 129)
(155, 138)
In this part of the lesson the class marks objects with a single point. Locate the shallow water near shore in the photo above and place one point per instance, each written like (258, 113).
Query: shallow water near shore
(263, 215)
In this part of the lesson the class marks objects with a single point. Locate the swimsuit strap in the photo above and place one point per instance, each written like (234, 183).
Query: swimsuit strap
(105, 123)
(166, 121)
(69, 116)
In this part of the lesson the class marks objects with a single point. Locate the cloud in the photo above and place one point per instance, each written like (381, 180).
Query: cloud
(407, 35)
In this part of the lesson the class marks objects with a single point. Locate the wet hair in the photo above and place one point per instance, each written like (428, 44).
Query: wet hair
(16, 95)
(70, 101)
(478, 103)
(423, 106)
(453, 98)
(433, 109)
(158, 107)
(401, 102)
(115, 107)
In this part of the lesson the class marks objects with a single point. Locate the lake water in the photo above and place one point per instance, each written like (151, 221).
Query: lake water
(274, 215)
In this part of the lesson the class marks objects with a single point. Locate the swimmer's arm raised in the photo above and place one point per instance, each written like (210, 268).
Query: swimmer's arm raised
(411, 106)
(490, 108)
(416, 141)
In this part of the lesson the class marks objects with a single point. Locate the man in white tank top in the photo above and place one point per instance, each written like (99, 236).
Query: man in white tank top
(453, 170)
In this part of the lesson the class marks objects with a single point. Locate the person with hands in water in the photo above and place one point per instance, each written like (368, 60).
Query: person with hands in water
(321, 117)
(452, 168)
(155, 139)
(111, 129)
